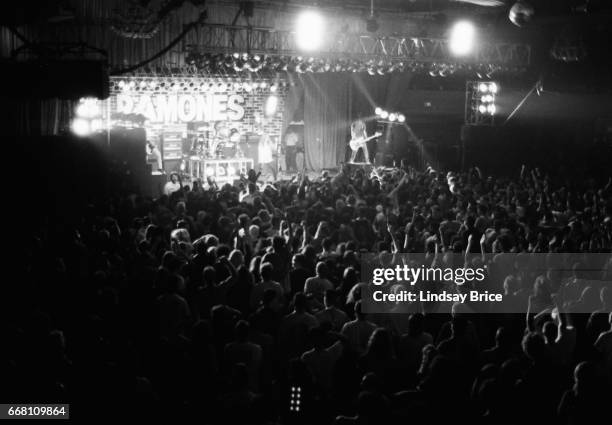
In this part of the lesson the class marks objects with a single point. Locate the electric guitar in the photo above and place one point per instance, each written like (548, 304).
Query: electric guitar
(357, 143)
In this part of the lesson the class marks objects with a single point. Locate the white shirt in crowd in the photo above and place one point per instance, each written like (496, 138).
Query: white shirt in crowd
(170, 188)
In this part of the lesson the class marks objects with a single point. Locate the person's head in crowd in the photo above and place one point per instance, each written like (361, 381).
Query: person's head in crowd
(254, 232)
(298, 261)
(511, 285)
(300, 302)
(153, 233)
(278, 243)
(503, 338)
(211, 240)
(236, 258)
(171, 262)
(266, 271)
(585, 379)
(209, 276)
(541, 290)
(211, 254)
(223, 250)
(321, 270)
(534, 347)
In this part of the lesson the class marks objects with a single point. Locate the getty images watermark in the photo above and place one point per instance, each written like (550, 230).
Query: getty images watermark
(490, 283)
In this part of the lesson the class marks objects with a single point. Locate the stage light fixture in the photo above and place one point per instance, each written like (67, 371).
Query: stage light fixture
(273, 88)
(392, 117)
(482, 109)
(493, 88)
(401, 118)
(491, 109)
(483, 87)
(143, 84)
(462, 38)
(80, 127)
(309, 30)
(263, 85)
(221, 87)
(271, 106)
(378, 110)
(384, 115)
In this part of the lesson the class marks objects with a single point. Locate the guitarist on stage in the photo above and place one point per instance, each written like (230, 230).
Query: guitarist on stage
(359, 141)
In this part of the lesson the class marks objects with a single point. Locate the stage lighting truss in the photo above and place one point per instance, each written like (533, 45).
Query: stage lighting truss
(344, 52)
(389, 117)
(154, 83)
(480, 106)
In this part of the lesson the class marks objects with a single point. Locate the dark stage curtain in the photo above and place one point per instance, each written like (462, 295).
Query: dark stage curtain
(326, 119)
(41, 117)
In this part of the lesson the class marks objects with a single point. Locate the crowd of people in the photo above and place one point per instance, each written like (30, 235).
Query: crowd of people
(242, 303)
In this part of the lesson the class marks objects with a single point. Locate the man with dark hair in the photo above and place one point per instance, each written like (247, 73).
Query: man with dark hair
(298, 274)
(266, 271)
(316, 286)
(331, 313)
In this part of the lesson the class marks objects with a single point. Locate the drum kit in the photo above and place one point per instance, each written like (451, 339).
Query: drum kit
(217, 141)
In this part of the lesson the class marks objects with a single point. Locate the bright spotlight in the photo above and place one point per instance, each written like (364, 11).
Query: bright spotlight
(487, 98)
(96, 125)
(482, 109)
(80, 127)
(309, 30)
(401, 118)
(82, 110)
(491, 109)
(378, 111)
(392, 117)
(273, 88)
(384, 115)
(493, 88)
(462, 38)
(482, 87)
(271, 105)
